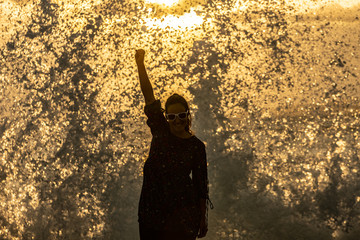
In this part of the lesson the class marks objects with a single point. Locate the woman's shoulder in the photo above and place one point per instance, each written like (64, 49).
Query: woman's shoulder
(153, 104)
(153, 107)
(198, 142)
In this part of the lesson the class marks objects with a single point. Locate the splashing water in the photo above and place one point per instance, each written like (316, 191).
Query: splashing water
(274, 92)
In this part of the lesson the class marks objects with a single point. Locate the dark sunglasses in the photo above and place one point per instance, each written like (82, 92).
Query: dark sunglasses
(172, 116)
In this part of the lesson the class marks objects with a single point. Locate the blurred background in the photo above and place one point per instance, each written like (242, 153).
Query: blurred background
(274, 93)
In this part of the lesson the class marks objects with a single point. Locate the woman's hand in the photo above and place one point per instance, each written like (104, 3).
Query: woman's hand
(139, 56)
(203, 228)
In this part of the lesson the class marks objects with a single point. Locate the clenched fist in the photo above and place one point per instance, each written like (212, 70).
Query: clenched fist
(139, 56)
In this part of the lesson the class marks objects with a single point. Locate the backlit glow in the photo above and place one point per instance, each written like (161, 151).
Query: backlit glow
(188, 20)
(163, 2)
(273, 92)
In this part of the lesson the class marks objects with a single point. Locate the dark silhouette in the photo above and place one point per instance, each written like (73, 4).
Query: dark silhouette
(175, 196)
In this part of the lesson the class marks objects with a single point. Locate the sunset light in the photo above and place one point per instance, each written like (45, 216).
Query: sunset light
(188, 20)
(273, 94)
(163, 2)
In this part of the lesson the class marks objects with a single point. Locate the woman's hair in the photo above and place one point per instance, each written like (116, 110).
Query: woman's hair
(176, 98)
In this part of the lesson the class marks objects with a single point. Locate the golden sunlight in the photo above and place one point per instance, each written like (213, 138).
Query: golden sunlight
(163, 2)
(188, 20)
(348, 3)
(301, 5)
(305, 4)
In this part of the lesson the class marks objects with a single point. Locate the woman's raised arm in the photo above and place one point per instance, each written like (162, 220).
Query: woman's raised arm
(145, 83)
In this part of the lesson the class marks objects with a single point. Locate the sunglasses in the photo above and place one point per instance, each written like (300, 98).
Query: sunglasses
(172, 116)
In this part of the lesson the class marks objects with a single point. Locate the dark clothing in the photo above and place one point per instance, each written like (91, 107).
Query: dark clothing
(170, 196)
(151, 234)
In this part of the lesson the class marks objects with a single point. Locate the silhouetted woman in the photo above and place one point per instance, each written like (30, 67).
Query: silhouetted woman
(174, 195)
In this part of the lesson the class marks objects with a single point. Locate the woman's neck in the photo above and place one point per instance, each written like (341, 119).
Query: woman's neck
(184, 134)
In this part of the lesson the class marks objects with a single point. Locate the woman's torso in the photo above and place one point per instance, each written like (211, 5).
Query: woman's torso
(167, 186)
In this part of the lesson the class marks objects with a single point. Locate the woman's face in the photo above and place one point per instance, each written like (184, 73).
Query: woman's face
(177, 125)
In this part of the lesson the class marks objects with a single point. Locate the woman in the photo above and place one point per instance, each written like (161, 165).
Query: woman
(174, 195)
